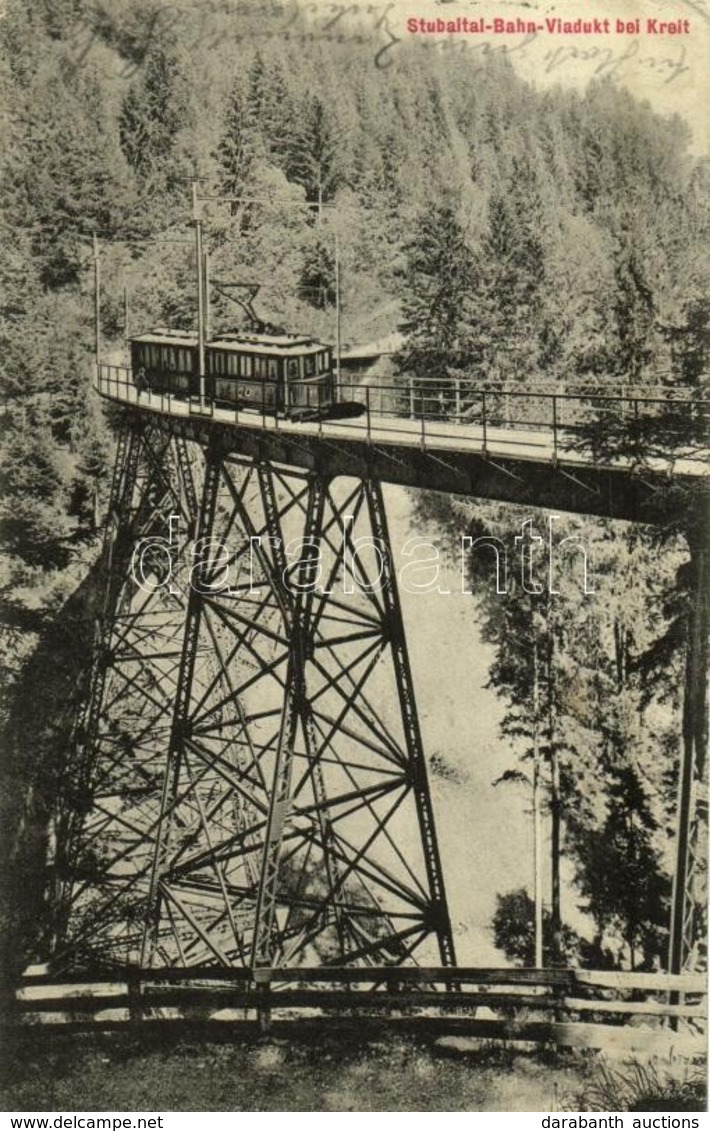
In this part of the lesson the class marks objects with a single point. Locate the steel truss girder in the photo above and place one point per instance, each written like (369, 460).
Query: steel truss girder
(147, 490)
(179, 721)
(296, 709)
(405, 687)
(67, 818)
(256, 789)
(194, 826)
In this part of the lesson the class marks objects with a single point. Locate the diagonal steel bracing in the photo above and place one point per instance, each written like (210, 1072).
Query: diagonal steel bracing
(104, 807)
(248, 785)
(251, 787)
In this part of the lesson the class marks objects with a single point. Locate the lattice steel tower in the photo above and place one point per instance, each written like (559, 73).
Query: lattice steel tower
(250, 787)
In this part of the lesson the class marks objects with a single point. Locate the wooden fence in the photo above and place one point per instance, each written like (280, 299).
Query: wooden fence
(617, 1011)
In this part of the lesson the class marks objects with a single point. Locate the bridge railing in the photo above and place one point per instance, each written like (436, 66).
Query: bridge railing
(595, 1008)
(604, 425)
(584, 417)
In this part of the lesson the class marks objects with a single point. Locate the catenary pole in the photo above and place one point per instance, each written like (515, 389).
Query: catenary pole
(97, 305)
(200, 293)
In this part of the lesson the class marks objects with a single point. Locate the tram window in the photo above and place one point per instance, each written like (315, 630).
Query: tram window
(293, 370)
(310, 365)
(232, 364)
(273, 370)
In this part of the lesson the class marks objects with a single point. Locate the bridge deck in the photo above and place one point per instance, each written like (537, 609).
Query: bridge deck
(526, 464)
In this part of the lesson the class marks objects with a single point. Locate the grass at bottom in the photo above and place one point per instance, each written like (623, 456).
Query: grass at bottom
(348, 1068)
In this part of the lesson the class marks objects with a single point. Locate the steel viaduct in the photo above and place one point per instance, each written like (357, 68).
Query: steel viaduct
(247, 788)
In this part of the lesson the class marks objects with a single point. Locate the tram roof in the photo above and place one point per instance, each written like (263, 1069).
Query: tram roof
(168, 338)
(286, 345)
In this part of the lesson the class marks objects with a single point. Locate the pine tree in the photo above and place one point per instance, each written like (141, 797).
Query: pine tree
(314, 153)
(512, 258)
(438, 287)
(153, 113)
(71, 170)
(237, 148)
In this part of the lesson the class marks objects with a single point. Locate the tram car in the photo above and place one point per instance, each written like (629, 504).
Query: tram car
(287, 375)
